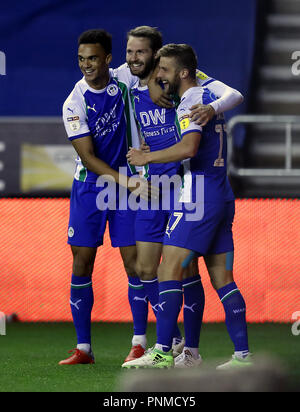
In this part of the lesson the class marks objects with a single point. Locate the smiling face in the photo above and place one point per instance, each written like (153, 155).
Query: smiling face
(139, 56)
(169, 74)
(94, 64)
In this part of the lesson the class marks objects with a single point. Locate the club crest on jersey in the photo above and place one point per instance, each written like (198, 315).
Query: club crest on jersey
(70, 232)
(112, 90)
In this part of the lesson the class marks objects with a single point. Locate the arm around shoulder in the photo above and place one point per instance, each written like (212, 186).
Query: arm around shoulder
(228, 98)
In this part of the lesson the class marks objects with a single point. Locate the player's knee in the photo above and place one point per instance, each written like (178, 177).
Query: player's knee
(83, 262)
(81, 267)
(169, 271)
(145, 272)
(130, 267)
(222, 280)
(129, 255)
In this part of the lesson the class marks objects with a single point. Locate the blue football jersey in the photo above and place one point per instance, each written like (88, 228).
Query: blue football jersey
(105, 115)
(159, 128)
(211, 158)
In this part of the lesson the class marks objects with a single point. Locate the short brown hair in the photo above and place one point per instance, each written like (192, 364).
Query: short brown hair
(184, 54)
(150, 33)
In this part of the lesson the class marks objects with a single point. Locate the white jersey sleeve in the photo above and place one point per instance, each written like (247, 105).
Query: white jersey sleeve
(123, 74)
(74, 115)
(228, 98)
(203, 78)
(183, 111)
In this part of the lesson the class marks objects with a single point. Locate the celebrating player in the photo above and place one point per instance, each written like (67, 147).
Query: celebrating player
(201, 224)
(95, 119)
(160, 129)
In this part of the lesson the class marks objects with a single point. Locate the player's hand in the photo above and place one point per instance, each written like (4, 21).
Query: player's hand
(164, 100)
(145, 148)
(201, 114)
(159, 96)
(143, 188)
(137, 157)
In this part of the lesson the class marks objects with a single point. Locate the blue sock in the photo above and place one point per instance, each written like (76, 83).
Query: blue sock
(194, 300)
(151, 289)
(177, 336)
(81, 301)
(170, 301)
(235, 316)
(139, 305)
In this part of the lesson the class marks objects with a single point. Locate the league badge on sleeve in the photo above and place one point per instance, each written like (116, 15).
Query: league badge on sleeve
(201, 75)
(184, 122)
(74, 123)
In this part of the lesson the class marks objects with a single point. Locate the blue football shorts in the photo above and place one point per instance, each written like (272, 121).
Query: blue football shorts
(212, 234)
(87, 223)
(151, 222)
(150, 225)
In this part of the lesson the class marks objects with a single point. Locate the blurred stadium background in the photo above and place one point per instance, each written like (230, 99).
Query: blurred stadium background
(249, 45)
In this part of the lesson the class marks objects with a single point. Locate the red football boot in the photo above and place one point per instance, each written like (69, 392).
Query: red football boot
(78, 357)
(136, 352)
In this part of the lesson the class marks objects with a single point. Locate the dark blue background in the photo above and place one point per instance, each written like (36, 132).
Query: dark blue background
(40, 43)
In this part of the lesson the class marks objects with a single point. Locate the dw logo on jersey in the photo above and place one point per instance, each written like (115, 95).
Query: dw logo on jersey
(112, 90)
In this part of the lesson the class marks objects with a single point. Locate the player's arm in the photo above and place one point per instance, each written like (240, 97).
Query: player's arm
(228, 99)
(186, 148)
(85, 150)
(78, 132)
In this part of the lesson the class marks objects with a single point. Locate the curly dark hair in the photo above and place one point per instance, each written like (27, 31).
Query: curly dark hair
(95, 36)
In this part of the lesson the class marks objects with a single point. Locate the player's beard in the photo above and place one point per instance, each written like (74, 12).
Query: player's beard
(148, 67)
(173, 86)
